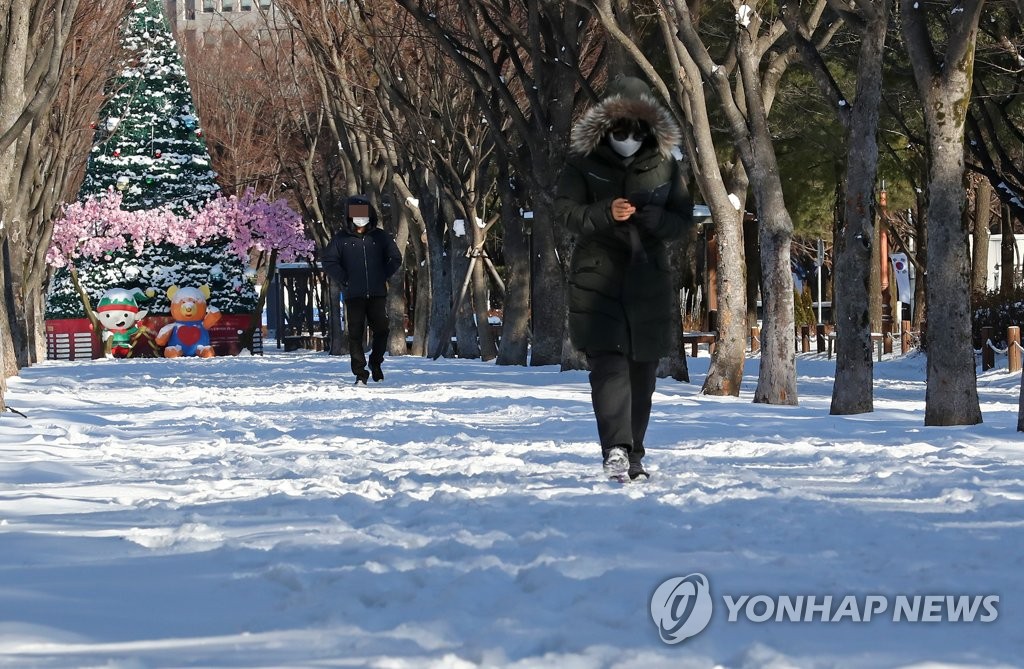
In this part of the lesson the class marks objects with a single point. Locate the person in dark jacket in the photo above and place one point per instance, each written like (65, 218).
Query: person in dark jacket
(361, 257)
(621, 193)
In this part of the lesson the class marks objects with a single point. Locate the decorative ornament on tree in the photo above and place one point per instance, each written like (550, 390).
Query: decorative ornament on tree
(117, 153)
(122, 182)
(93, 125)
(199, 133)
(158, 153)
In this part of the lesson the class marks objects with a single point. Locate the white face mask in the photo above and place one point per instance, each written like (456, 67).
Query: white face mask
(625, 147)
(361, 221)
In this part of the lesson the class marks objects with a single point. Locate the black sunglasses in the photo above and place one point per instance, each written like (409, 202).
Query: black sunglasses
(638, 130)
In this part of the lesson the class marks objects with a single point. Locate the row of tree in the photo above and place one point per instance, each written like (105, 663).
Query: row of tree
(460, 110)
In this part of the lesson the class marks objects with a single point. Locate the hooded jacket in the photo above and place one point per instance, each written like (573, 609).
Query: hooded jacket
(361, 262)
(620, 300)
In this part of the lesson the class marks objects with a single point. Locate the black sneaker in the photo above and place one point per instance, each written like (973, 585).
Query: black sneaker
(378, 373)
(637, 471)
(616, 462)
(361, 379)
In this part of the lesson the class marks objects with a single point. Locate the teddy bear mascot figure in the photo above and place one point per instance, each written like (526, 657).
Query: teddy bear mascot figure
(189, 334)
(119, 313)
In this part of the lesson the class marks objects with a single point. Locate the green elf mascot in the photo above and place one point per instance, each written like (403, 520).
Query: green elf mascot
(120, 314)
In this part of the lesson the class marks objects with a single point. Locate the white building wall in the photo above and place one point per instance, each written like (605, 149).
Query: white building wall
(197, 21)
(994, 257)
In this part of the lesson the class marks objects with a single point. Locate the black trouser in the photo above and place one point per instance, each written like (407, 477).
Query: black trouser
(621, 390)
(358, 312)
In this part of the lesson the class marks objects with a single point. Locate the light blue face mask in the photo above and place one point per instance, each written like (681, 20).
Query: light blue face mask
(625, 147)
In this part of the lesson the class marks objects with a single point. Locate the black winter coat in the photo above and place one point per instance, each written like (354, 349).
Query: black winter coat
(362, 263)
(621, 300)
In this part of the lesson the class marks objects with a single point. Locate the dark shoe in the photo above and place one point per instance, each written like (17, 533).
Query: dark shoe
(616, 462)
(637, 471)
(378, 373)
(636, 467)
(361, 379)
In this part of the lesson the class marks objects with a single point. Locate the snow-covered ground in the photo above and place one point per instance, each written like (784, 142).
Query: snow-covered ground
(253, 512)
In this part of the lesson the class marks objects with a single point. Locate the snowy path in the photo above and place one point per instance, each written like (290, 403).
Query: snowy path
(253, 512)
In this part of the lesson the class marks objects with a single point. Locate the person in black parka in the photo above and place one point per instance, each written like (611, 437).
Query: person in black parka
(621, 193)
(361, 257)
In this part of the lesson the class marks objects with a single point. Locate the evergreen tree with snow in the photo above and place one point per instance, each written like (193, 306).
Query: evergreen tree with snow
(148, 145)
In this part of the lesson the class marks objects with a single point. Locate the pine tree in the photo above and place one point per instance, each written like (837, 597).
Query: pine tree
(148, 145)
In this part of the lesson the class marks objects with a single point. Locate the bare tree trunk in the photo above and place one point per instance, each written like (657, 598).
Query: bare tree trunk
(725, 373)
(982, 235)
(9, 363)
(674, 365)
(857, 282)
(397, 307)
(752, 253)
(776, 383)
(1007, 255)
(423, 296)
(515, 325)
(440, 276)
(944, 83)
(481, 304)
(549, 310)
(724, 188)
(874, 267)
(418, 261)
(921, 277)
(746, 104)
(465, 331)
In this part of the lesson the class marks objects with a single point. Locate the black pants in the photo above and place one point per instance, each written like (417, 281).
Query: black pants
(621, 390)
(360, 311)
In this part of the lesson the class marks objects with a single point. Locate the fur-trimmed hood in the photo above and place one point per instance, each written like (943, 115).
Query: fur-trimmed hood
(625, 98)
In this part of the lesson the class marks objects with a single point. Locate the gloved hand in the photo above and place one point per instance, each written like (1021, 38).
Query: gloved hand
(648, 217)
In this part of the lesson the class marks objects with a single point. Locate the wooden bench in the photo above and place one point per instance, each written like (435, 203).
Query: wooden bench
(695, 339)
(877, 339)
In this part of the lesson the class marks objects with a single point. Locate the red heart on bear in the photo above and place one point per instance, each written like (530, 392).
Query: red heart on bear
(188, 334)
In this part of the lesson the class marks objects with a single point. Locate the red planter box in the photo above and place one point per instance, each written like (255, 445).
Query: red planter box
(73, 339)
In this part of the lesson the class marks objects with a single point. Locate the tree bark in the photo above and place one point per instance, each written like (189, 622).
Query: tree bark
(397, 307)
(856, 265)
(746, 103)
(951, 397)
(515, 326)
(725, 373)
(982, 235)
(921, 277)
(1007, 255)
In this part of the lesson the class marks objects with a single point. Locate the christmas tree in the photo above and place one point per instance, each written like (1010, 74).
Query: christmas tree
(149, 146)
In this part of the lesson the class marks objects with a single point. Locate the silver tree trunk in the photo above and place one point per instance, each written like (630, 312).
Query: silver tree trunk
(951, 397)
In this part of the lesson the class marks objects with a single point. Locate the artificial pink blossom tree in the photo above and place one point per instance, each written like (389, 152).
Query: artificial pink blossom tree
(258, 232)
(262, 232)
